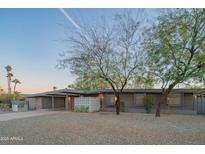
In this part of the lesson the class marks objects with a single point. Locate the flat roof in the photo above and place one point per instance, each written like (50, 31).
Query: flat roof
(74, 92)
(49, 94)
(96, 91)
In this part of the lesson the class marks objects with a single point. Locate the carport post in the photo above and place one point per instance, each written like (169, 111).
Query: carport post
(66, 102)
(52, 102)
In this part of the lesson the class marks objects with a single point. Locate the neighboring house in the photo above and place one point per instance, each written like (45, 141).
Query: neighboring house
(179, 101)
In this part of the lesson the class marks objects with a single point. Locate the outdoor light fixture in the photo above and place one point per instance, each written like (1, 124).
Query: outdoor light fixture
(115, 98)
(69, 98)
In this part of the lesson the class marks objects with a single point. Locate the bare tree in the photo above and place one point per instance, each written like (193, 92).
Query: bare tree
(111, 53)
(86, 83)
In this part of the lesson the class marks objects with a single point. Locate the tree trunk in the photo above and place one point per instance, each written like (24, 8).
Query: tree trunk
(161, 101)
(164, 99)
(9, 85)
(117, 104)
(14, 97)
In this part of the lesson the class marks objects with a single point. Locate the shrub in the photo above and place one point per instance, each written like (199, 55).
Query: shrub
(86, 109)
(148, 103)
(75, 109)
(21, 105)
(81, 109)
(122, 106)
(18, 96)
(6, 98)
(4, 107)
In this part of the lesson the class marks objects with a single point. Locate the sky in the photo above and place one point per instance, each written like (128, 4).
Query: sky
(32, 39)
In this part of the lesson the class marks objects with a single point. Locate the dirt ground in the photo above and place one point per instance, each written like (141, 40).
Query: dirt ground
(103, 128)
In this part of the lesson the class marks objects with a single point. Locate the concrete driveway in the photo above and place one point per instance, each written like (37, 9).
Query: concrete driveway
(19, 115)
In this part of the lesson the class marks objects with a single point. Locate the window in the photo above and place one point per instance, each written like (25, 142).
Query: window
(174, 100)
(139, 99)
(109, 100)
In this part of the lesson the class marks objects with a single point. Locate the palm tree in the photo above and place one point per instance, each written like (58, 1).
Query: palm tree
(15, 81)
(9, 75)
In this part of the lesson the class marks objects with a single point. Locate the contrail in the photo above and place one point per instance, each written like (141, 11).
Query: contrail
(73, 22)
(69, 18)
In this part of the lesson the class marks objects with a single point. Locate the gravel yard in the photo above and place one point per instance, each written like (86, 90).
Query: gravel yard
(104, 128)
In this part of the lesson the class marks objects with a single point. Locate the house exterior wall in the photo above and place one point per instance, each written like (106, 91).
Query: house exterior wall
(81, 102)
(59, 102)
(31, 103)
(93, 103)
(128, 99)
(46, 102)
(135, 101)
(188, 101)
(39, 103)
(108, 100)
(36, 103)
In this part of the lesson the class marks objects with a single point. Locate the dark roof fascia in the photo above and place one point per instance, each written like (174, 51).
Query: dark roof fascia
(80, 92)
(72, 92)
(50, 94)
(89, 92)
(149, 91)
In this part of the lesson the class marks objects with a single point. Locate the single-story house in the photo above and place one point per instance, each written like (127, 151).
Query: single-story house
(180, 100)
(47, 100)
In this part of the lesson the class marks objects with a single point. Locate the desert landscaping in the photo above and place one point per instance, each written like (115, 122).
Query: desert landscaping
(104, 128)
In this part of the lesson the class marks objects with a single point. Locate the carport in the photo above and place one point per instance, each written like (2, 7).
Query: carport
(50, 100)
(57, 101)
(62, 101)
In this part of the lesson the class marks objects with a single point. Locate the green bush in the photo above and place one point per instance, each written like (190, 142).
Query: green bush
(18, 96)
(122, 106)
(81, 109)
(148, 102)
(21, 105)
(4, 107)
(6, 98)
(75, 109)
